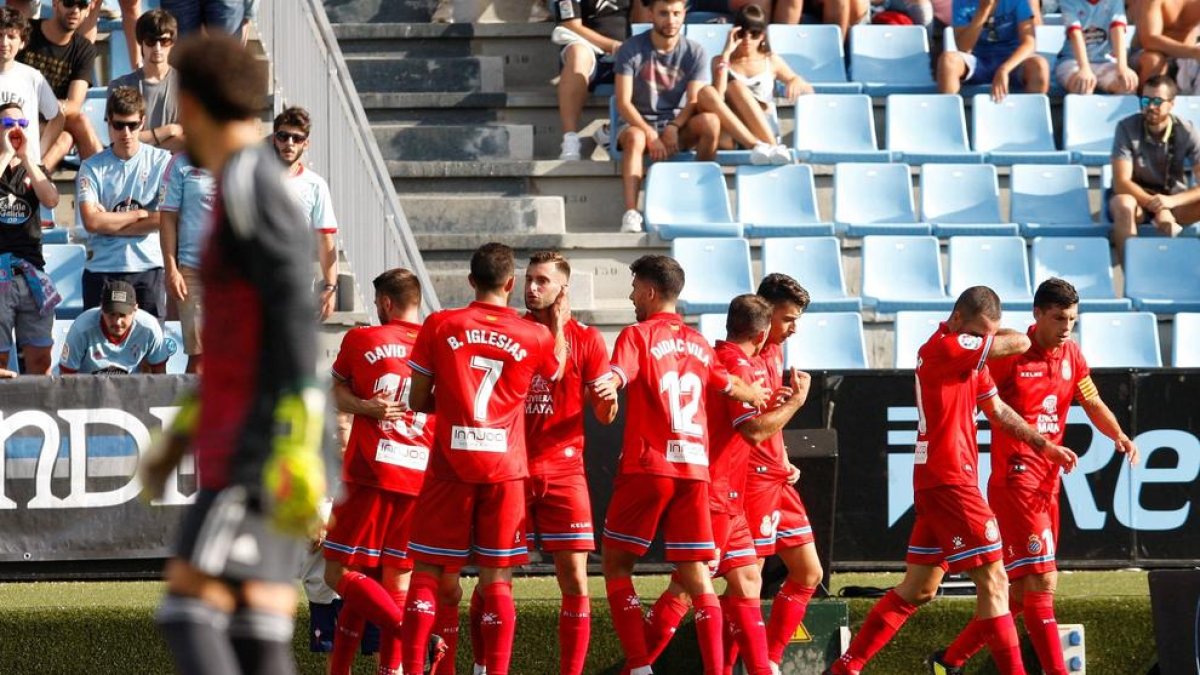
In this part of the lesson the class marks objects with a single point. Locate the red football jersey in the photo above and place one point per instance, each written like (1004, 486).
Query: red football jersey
(728, 450)
(1039, 385)
(482, 359)
(952, 378)
(554, 410)
(768, 459)
(390, 455)
(665, 368)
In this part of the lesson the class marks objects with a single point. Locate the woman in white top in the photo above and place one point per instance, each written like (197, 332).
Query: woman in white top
(745, 73)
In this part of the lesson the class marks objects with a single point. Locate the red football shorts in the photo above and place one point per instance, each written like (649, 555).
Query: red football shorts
(559, 513)
(735, 546)
(457, 522)
(776, 516)
(641, 501)
(369, 527)
(1029, 533)
(954, 529)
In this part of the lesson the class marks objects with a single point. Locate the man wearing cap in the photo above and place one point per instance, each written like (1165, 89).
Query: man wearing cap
(115, 337)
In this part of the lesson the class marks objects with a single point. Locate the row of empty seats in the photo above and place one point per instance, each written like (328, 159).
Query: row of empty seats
(903, 273)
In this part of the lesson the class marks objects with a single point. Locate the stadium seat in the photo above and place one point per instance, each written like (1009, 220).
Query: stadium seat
(827, 341)
(912, 329)
(59, 334)
(874, 199)
(998, 262)
(891, 59)
(1052, 201)
(716, 269)
(118, 55)
(1120, 340)
(639, 28)
(177, 364)
(1049, 40)
(688, 199)
(962, 199)
(710, 36)
(778, 201)
(1163, 275)
(832, 128)
(64, 264)
(928, 128)
(712, 327)
(816, 262)
(1083, 261)
(93, 109)
(815, 52)
(1185, 338)
(1187, 108)
(903, 273)
(1017, 130)
(1089, 124)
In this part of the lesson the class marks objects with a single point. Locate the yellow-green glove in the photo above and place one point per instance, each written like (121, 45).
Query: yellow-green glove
(294, 475)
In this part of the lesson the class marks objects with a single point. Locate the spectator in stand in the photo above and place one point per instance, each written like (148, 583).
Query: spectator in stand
(292, 127)
(841, 13)
(1151, 150)
(117, 191)
(66, 59)
(591, 32)
(745, 74)
(27, 86)
(115, 338)
(26, 293)
(89, 29)
(1095, 54)
(157, 81)
(666, 105)
(185, 202)
(225, 16)
(996, 44)
(1166, 32)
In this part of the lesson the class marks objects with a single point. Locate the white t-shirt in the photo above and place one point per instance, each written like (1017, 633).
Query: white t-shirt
(312, 194)
(26, 86)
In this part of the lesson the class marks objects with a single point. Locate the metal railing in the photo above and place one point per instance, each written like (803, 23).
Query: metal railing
(308, 70)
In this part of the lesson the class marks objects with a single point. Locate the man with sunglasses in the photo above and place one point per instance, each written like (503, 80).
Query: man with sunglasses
(157, 81)
(26, 85)
(118, 191)
(1150, 183)
(67, 59)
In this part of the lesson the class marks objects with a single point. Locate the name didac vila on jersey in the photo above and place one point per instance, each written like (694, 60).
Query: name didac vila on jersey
(479, 336)
(670, 347)
(388, 351)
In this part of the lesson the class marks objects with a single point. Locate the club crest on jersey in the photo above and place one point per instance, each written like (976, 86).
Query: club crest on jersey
(1035, 544)
(968, 341)
(1047, 420)
(1050, 404)
(1066, 370)
(990, 531)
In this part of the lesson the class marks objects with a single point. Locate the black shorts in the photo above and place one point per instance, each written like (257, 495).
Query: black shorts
(149, 286)
(225, 537)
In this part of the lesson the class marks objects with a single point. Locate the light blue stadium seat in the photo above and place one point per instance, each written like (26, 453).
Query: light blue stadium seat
(891, 59)
(928, 128)
(639, 28)
(1083, 261)
(1053, 19)
(688, 199)
(1048, 41)
(1187, 108)
(960, 199)
(93, 109)
(1163, 275)
(118, 55)
(716, 270)
(1185, 336)
(997, 262)
(1016, 130)
(707, 17)
(816, 262)
(1120, 340)
(903, 273)
(912, 329)
(710, 36)
(177, 364)
(827, 341)
(832, 128)
(59, 334)
(1052, 201)
(779, 201)
(815, 52)
(1089, 124)
(712, 327)
(874, 199)
(64, 264)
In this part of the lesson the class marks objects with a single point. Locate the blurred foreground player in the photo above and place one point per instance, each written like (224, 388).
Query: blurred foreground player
(255, 423)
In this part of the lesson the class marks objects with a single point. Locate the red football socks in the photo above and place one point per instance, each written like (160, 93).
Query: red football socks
(446, 626)
(970, 640)
(884, 620)
(662, 621)
(420, 614)
(709, 626)
(1005, 645)
(1043, 631)
(729, 637)
(574, 633)
(475, 626)
(350, 627)
(498, 626)
(367, 598)
(627, 620)
(744, 616)
(787, 612)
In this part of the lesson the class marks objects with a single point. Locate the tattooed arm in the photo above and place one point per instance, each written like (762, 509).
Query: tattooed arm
(1007, 420)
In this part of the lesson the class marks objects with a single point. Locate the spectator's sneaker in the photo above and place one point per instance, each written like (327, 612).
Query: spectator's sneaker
(632, 221)
(760, 154)
(570, 147)
(478, 669)
(602, 136)
(780, 155)
(538, 12)
(444, 12)
(936, 667)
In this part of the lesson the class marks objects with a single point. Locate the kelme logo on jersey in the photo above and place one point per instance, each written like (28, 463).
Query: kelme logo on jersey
(478, 439)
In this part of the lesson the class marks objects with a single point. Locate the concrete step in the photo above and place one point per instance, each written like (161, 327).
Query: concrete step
(373, 73)
(370, 11)
(484, 216)
(474, 142)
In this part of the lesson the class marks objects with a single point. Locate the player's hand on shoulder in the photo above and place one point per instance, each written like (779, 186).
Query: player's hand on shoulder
(606, 388)
(1064, 457)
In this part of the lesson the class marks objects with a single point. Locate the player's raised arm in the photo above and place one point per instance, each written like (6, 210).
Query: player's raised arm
(788, 402)
(1007, 342)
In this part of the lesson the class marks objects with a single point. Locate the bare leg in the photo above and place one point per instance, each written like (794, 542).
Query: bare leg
(633, 166)
(1125, 214)
(951, 70)
(578, 62)
(749, 111)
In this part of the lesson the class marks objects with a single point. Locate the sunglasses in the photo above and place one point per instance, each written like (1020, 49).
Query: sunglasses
(10, 122)
(76, 4)
(125, 126)
(284, 137)
(1154, 101)
(164, 40)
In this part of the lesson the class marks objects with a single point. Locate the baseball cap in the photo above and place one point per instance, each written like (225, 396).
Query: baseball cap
(118, 296)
